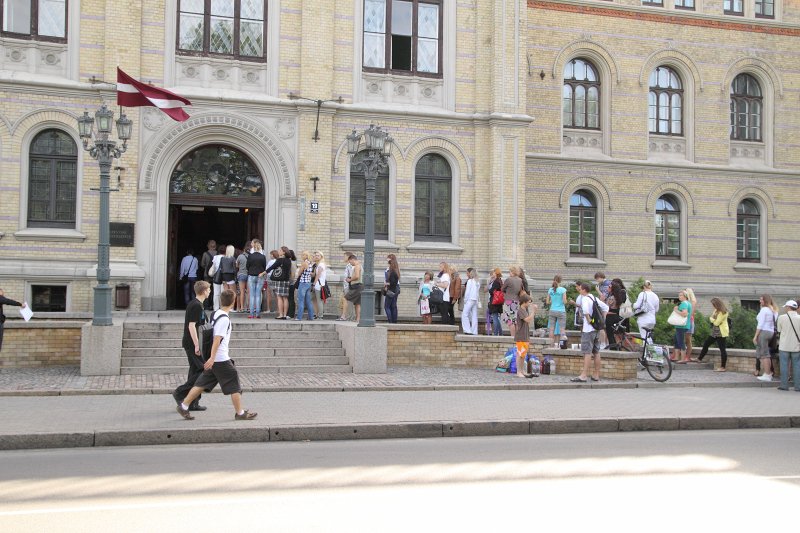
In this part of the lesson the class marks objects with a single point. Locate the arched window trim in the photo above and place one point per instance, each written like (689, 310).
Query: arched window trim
(49, 234)
(746, 221)
(596, 260)
(358, 242)
(451, 245)
(738, 101)
(672, 94)
(581, 211)
(586, 86)
(608, 71)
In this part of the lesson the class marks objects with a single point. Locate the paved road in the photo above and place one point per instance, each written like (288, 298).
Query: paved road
(629, 482)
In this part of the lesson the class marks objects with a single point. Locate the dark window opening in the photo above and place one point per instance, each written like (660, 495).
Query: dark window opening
(49, 298)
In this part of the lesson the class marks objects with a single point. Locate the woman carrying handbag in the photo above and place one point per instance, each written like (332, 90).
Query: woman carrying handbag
(680, 319)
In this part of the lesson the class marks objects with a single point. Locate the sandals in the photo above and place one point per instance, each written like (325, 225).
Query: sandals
(720, 369)
(247, 415)
(595, 379)
(578, 380)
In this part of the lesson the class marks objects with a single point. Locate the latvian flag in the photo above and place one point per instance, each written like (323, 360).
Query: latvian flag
(133, 93)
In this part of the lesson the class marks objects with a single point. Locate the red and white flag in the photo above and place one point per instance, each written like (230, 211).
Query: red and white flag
(133, 93)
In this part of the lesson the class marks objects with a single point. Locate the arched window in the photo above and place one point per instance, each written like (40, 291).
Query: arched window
(746, 108)
(358, 201)
(668, 228)
(582, 224)
(748, 232)
(52, 181)
(665, 102)
(217, 170)
(581, 95)
(433, 186)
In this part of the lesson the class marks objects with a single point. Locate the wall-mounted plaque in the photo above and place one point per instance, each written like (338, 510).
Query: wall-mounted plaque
(121, 234)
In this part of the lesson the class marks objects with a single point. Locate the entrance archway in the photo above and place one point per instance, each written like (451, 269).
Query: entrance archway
(215, 192)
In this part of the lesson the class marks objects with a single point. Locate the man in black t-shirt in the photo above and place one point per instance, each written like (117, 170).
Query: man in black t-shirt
(195, 315)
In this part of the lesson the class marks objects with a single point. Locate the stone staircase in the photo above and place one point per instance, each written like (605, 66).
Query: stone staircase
(268, 346)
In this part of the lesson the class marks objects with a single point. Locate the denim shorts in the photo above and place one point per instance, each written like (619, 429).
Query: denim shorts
(241, 278)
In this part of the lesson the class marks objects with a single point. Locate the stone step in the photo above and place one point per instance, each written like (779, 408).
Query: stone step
(242, 334)
(239, 342)
(241, 325)
(238, 352)
(181, 365)
(261, 369)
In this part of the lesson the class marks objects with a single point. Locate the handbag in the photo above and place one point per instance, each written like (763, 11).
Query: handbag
(626, 309)
(390, 294)
(677, 320)
(437, 296)
(217, 278)
(498, 298)
(424, 307)
(326, 292)
(276, 274)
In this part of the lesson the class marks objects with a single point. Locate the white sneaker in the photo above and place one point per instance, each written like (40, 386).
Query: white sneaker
(764, 377)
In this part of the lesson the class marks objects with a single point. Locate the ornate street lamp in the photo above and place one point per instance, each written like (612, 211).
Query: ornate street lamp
(103, 149)
(378, 146)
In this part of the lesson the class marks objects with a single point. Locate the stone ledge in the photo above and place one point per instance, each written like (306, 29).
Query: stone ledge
(491, 339)
(42, 324)
(420, 327)
(603, 354)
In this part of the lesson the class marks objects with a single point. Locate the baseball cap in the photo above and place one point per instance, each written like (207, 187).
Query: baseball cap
(791, 303)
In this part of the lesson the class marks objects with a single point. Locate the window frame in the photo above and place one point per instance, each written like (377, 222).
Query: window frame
(736, 100)
(732, 10)
(34, 305)
(206, 52)
(586, 85)
(580, 210)
(52, 160)
(653, 3)
(355, 175)
(664, 213)
(745, 219)
(433, 237)
(34, 35)
(687, 8)
(671, 93)
(762, 3)
(414, 37)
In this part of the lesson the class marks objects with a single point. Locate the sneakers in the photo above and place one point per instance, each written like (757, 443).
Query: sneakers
(247, 415)
(186, 414)
(177, 398)
(764, 377)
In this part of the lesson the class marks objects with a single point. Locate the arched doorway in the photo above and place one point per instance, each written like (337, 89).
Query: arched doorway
(215, 192)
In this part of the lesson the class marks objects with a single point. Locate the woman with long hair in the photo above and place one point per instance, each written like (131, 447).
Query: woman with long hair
(614, 301)
(305, 271)
(391, 286)
(496, 309)
(256, 266)
(765, 330)
(242, 302)
(280, 273)
(217, 287)
(557, 315)
(645, 309)
(689, 332)
(684, 308)
(719, 333)
(512, 288)
(320, 279)
(269, 290)
(443, 282)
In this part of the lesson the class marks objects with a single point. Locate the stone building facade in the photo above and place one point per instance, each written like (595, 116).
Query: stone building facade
(498, 129)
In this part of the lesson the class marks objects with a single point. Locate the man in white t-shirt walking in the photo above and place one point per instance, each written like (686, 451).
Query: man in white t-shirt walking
(590, 345)
(219, 368)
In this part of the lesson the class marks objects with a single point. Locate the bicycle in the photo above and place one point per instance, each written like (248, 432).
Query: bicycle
(655, 359)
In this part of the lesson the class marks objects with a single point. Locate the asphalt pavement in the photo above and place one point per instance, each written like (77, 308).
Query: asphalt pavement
(59, 408)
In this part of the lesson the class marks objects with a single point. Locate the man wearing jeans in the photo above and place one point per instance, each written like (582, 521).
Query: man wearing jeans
(789, 345)
(590, 345)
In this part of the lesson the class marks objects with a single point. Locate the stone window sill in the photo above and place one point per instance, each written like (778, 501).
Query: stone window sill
(49, 234)
(752, 267)
(358, 244)
(584, 261)
(434, 247)
(670, 264)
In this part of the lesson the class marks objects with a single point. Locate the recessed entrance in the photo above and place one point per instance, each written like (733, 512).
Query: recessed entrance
(216, 192)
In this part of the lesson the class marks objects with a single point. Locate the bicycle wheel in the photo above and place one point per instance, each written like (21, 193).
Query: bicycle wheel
(659, 370)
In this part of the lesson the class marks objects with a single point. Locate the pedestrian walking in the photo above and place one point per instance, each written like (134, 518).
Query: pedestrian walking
(256, 266)
(219, 369)
(356, 286)
(522, 336)
(443, 282)
(719, 334)
(684, 309)
(590, 345)
(280, 276)
(645, 309)
(344, 304)
(391, 288)
(6, 301)
(305, 272)
(205, 264)
(789, 345)
(195, 316)
(187, 275)
(557, 313)
(765, 330)
(496, 302)
(423, 298)
(319, 279)
(512, 288)
(690, 332)
(243, 301)
(469, 316)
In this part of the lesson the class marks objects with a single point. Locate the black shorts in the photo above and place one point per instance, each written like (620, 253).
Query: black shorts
(225, 374)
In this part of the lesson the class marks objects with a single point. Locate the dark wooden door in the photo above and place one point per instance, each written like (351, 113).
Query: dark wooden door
(173, 257)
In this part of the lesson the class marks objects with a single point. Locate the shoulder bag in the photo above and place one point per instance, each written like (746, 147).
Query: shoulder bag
(677, 320)
(626, 309)
(498, 298)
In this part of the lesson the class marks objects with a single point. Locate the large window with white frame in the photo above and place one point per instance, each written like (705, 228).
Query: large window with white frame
(582, 224)
(44, 20)
(358, 201)
(748, 232)
(765, 9)
(52, 180)
(684, 4)
(222, 28)
(433, 189)
(746, 108)
(665, 102)
(668, 228)
(403, 37)
(581, 95)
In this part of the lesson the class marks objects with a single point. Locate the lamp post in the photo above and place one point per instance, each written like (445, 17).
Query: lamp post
(104, 150)
(378, 146)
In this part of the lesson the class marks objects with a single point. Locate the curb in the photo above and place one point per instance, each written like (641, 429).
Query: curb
(401, 430)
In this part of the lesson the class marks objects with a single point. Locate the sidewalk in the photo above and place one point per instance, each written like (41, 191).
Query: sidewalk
(405, 403)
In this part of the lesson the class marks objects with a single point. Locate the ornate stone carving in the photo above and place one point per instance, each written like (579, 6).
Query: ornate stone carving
(428, 91)
(190, 71)
(285, 128)
(250, 77)
(583, 139)
(152, 118)
(400, 90)
(666, 146)
(16, 55)
(374, 88)
(50, 58)
(393, 89)
(221, 74)
(747, 150)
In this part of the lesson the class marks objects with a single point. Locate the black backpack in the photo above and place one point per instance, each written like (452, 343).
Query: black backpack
(205, 335)
(597, 320)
